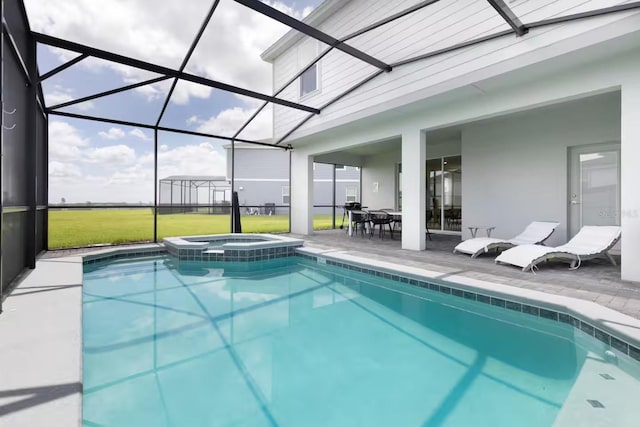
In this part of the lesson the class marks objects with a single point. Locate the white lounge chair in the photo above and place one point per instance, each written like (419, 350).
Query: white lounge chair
(535, 233)
(591, 241)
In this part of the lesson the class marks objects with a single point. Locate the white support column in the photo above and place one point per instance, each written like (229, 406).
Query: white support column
(414, 156)
(301, 193)
(630, 177)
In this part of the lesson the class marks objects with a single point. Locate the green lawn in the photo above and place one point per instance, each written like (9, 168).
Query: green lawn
(73, 228)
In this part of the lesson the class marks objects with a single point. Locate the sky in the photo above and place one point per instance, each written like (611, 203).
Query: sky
(100, 162)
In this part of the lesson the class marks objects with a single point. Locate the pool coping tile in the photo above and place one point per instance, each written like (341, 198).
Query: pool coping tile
(617, 330)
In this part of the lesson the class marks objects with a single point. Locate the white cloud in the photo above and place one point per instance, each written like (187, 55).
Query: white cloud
(229, 50)
(133, 175)
(228, 122)
(117, 173)
(65, 141)
(57, 97)
(60, 95)
(63, 170)
(116, 155)
(193, 159)
(79, 172)
(193, 119)
(185, 90)
(139, 134)
(154, 91)
(126, 177)
(113, 133)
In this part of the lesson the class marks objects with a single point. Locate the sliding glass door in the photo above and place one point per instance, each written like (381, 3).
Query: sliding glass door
(444, 193)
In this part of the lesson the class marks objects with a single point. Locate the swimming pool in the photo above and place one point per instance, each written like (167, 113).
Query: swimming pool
(289, 342)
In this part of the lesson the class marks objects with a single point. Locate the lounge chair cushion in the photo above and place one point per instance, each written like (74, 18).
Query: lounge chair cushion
(536, 232)
(478, 244)
(523, 255)
(590, 241)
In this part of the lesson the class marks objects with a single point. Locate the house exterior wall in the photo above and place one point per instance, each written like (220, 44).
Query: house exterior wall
(504, 77)
(605, 68)
(496, 191)
(380, 169)
(256, 194)
(349, 177)
(260, 175)
(258, 163)
(262, 172)
(434, 27)
(506, 196)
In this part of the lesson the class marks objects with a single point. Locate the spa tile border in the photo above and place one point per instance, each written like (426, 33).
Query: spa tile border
(193, 255)
(232, 248)
(532, 310)
(233, 255)
(117, 254)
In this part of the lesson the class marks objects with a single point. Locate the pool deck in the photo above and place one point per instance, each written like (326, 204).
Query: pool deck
(41, 347)
(41, 327)
(595, 280)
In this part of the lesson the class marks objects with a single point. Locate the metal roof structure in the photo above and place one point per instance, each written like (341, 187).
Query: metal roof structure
(517, 29)
(207, 178)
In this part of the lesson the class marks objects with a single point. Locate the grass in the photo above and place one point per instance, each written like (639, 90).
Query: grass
(74, 228)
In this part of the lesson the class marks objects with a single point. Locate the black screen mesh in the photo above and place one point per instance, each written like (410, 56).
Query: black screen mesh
(24, 148)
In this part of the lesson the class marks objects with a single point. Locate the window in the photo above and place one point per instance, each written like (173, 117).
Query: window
(341, 167)
(309, 80)
(352, 194)
(285, 195)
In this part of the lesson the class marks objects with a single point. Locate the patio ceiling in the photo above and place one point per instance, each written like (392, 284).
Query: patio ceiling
(353, 156)
(439, 137)
(173, 74)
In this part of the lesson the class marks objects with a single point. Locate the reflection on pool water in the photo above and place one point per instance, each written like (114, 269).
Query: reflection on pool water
(293, 343)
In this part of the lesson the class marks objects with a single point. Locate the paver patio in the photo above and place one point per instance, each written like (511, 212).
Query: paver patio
(595, 280)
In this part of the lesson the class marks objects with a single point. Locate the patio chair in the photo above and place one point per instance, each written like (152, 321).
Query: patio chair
(359, 219)
(380, 218)
(591, 241)
(396, 221)
(535, 233)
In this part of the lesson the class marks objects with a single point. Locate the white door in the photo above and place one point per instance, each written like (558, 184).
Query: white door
(594, 189)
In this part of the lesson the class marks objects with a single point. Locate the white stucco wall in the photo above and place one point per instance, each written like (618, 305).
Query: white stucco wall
(381, 169)
(515, 168)
(437, 148)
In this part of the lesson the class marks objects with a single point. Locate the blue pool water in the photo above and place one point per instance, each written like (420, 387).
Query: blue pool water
(294, 343)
